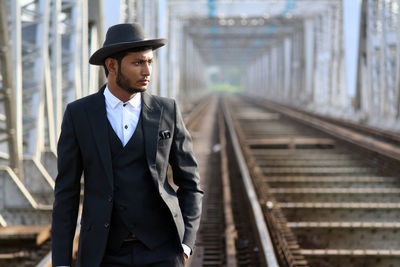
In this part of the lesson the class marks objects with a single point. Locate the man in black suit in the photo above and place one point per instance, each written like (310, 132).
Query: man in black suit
(123, 140)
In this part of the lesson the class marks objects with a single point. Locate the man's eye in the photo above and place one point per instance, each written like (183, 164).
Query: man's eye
(138, 63)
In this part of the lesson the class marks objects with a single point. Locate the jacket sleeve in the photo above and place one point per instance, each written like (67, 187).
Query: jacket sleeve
(186, 176)
(66, 193)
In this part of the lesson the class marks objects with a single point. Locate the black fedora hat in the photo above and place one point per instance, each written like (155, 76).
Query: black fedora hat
(122, 37)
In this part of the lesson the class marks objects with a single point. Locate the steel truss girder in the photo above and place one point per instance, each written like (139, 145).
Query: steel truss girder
(23, 113)
(130, 10)
(305, 66)
(49, 47)
(12, 152)
(378, 92)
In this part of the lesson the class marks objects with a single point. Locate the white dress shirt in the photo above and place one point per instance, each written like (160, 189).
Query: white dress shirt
(124, 117)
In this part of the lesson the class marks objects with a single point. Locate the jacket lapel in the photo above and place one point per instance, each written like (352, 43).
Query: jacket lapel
(98, 121)
(151, 113)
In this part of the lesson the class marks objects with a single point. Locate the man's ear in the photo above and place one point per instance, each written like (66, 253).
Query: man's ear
(111, 65)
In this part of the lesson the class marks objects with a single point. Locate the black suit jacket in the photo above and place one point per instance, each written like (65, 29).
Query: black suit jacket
(83, 147)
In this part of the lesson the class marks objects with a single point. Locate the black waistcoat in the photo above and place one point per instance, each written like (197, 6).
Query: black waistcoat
(138, 207)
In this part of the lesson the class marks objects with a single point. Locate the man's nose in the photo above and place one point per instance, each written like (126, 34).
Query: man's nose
(146, 69)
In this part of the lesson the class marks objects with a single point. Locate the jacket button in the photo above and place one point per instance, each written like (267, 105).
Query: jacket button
(122, 207)
(106, 225)
(109, 198)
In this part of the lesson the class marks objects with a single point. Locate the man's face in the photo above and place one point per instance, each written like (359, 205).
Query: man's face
(134, 72)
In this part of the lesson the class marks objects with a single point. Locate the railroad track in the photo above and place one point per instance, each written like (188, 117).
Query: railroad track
(226, 236)
(210, 245)
(23, 246)
(277, 193)
(326, 201)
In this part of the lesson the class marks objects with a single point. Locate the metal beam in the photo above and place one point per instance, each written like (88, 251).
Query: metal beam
(7, 93)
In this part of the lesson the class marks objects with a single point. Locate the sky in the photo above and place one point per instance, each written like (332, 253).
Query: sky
(111, 17)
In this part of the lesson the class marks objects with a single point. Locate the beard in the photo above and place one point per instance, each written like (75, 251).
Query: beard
(124, 82)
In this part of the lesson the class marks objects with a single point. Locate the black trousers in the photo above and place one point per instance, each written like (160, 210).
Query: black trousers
(136, 254)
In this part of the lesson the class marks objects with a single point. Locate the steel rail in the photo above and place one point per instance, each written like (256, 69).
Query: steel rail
(230, 230)
(216, 244)
(372, 144)
(193, 118)
(380, 134)
(265, 239)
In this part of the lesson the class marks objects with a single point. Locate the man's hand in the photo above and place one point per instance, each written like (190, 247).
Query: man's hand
(185, 257)
(186, 252)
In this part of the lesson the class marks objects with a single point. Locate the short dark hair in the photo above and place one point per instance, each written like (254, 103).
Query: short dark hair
(120, 55)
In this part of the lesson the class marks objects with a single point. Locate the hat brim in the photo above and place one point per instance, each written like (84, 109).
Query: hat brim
(100, 55)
